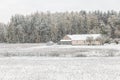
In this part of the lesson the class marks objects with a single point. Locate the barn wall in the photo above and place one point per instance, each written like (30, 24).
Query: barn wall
(84, 42)
(97, 42)
(78, 42)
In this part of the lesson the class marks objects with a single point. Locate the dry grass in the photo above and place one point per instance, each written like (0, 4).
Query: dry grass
(9, 50)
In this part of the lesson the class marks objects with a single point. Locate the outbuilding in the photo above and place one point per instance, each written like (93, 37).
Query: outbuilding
(82, 39)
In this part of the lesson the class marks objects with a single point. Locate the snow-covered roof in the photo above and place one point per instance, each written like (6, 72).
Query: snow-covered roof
(83, 36)
(64, 40)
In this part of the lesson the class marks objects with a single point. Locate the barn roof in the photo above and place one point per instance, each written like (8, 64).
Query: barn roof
(65, 40)
(83, 36)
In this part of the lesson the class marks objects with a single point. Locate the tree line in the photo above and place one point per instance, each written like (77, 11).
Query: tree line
(46, 26)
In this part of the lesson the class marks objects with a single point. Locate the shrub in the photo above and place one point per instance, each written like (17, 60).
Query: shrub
(80, 55)
(54, 54)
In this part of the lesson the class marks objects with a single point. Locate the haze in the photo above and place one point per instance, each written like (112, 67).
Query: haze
(12, 7)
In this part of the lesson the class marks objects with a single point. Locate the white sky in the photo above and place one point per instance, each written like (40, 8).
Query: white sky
(12, 7)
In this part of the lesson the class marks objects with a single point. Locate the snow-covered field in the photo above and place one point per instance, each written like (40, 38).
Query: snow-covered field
(42, 68)
(58, 50)
(33, 65)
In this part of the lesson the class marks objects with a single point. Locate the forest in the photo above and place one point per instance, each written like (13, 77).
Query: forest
(42, 27)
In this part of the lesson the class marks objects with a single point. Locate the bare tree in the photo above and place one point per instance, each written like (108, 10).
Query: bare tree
(89, 40)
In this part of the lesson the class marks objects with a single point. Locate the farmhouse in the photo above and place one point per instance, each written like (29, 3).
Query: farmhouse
(82, 39)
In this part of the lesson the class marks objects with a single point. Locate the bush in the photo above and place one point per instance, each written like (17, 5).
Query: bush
(54, 54)
(80, 55)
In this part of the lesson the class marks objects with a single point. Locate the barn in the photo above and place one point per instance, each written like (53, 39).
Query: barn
(82, 39)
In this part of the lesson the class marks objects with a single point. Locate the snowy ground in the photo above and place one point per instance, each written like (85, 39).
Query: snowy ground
(42, 68)
(58, 50)
(32, 67)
